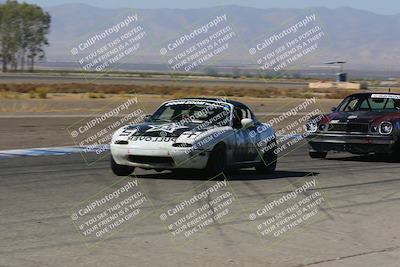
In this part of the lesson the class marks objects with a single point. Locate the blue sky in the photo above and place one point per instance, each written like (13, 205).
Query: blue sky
(380, 7)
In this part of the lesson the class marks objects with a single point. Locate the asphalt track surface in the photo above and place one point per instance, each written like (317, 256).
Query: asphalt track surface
(359, 227)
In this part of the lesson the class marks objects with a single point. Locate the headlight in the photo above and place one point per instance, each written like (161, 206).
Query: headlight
(121, 142)
(182, 145)
(323, 127)
(386, 128)
(312, 126)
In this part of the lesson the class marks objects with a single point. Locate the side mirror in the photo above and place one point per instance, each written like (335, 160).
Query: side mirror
(247, 123)
(147, 118)
(333, 109)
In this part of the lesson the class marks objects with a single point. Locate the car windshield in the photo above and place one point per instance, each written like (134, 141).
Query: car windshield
(193, 112)
(373, 102)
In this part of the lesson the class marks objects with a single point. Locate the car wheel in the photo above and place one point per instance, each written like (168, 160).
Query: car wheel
(268, 164)
(393, 155)
(121, 170)
(318, 155)
(396, 151)
(217, 161)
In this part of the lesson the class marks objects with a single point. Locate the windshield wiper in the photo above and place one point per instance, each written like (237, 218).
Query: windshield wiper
(163, 120)
(197, 121)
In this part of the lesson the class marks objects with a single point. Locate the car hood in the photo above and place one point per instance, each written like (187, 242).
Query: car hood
(362, 116)
(167, 133)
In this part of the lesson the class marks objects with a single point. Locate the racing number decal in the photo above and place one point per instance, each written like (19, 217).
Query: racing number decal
(128, 132)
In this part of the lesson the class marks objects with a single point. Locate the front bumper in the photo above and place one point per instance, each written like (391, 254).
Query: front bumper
(159, 158)
(353, 143)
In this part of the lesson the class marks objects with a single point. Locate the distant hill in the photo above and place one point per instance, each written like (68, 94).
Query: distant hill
(365, 39)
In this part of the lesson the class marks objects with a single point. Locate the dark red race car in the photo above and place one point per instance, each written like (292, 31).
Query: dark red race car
(363, 123)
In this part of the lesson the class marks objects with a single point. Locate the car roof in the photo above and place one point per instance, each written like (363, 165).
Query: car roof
(374, 93)
(222, 100)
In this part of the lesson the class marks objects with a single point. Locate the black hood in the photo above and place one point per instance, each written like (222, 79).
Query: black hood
(357, 116)
(169, 129)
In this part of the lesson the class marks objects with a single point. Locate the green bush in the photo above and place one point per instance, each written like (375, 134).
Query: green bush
(41, 92)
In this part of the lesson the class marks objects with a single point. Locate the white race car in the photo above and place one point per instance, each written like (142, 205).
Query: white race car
(209, 134)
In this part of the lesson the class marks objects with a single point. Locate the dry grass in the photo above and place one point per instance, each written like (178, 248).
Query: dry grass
(100, 91)
(96, 95)
(10, 95)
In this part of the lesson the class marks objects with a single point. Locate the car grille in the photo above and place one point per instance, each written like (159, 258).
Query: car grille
(157, 134)
(349, 127)
(176, 133)
(150, 159)
(337, 127)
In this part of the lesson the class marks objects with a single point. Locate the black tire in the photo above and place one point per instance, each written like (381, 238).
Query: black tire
(121, 170)
(393, 155)
(269, 161)
(181, 172)
(318, 155)
(396, 152)
(217, 161)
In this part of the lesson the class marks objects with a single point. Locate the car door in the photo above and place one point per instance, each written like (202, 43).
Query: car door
(244, 147)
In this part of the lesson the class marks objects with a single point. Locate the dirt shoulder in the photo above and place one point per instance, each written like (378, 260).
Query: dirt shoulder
(78, 104)
(30, 123)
